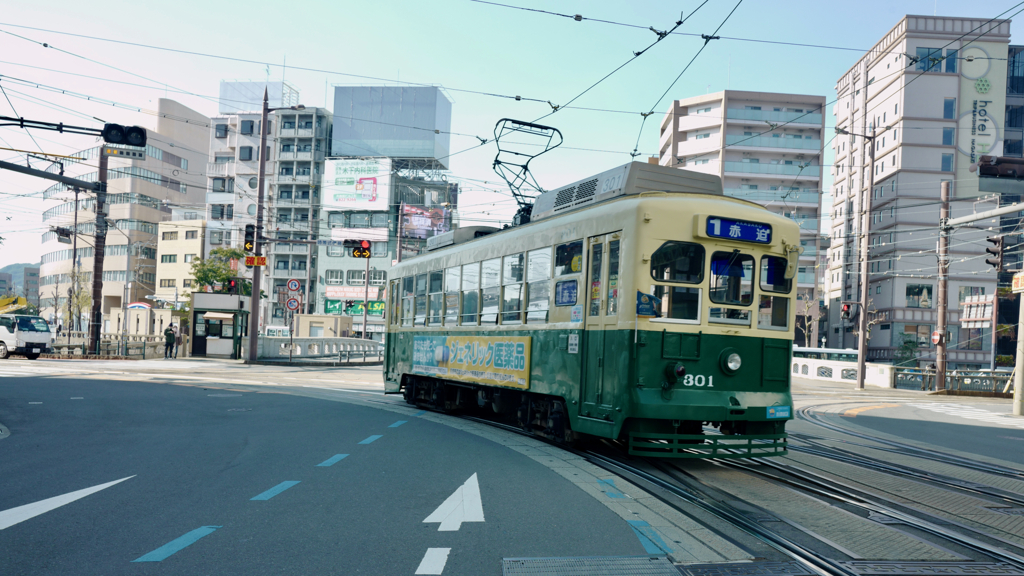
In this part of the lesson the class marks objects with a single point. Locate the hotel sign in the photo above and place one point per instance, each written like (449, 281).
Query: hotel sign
(982, 109)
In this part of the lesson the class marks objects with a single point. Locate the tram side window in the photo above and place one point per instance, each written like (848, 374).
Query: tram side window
(420, 317)
(538, 285)
(407, 300)
(490, 293)
(512, 292)
(773, 311)
(435, 306)
(395, 302)
(452, 280)
(569, 258)
(470, 293)
(613, 278)
(683, 263)
(596, 257)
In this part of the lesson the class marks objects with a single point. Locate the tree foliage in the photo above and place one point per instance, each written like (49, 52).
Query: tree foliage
(215, 271)
(906, 352)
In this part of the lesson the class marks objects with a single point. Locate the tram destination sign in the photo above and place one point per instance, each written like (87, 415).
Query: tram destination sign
(742, 230)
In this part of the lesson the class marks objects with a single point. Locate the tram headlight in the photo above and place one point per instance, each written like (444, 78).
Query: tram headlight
(730, 360)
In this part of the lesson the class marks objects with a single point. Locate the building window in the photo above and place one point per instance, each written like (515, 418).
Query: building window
(359, 220)
(355, 277)
(947, 162)
(379, 220)
(951, 56)
(378, 249)
(966, 291)
(919, 295)
(286, 170)
(335, 251)
(222, 130)
(217, 237)
(245, 153)
(169, 236)
(167, 283)
(191, 234)
(929, 60)
(247, 127)
(335, 277)
(949, 108)
(219, 185)
(947, 136)
(919, 333)
(222, 211)
(168, 258)
(186, 283)
(1014, 148)
(701, 136)
(378, 277)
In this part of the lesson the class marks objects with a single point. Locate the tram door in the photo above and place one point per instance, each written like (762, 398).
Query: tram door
(604, 361)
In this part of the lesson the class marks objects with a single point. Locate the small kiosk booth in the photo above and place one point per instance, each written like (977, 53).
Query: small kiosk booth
(219, 324)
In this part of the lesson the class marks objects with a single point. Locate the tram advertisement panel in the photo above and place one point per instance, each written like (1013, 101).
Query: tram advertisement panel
(495, 360)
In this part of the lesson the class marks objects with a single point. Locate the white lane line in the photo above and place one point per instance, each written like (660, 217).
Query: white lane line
(35, 402)
(77, 398)
(433, 561)
(13, 516)
(464, 505)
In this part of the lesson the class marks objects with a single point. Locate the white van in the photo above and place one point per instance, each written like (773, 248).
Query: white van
(26, 335)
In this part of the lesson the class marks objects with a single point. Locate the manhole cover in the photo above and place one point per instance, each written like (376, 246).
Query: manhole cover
(745, 569)
(589, 566)
(933, 569)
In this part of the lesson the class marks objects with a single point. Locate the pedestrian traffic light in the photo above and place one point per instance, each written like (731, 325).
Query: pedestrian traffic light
(232, 286)
(847, 311)
(127, 135)
(349, 304)
(996, 251)
(250, 238)
(359, 248)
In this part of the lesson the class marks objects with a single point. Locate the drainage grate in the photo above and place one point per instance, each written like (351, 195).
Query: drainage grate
(589, 566)
(1008, 511)
(745, 569)
(933, 569)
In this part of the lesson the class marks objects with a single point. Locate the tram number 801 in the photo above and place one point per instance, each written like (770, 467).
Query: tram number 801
(698, 380)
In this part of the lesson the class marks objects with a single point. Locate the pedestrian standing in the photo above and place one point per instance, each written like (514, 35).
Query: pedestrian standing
(168, 341)
(177, 340)
(59, 326)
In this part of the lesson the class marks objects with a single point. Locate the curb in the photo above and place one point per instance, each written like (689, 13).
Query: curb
(314, 364)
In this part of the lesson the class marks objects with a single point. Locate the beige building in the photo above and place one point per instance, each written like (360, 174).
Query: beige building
(767, 148)
(181, 242)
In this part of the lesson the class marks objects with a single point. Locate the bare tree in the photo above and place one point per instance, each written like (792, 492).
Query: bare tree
(810, 312)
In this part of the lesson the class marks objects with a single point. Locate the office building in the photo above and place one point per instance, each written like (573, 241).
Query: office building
(7, 286)
(182, 243)
(929, 98)
(766, 148)
(30, 285)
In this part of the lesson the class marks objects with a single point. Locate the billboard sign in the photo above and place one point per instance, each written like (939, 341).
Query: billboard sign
(422, 222)
(357, 184)
(351, 292)
(494, 360)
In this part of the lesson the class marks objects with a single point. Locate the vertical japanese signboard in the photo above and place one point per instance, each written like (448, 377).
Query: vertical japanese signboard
(495, 360)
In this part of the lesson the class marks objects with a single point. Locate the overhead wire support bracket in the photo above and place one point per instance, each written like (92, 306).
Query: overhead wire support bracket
(514, 166)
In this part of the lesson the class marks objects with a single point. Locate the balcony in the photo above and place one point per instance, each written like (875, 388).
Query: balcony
(303, 201)
(220, 169)
(810, 171)
(807, 225)
(771, 116)
(785, 196)
(294, 178)
(771, 142)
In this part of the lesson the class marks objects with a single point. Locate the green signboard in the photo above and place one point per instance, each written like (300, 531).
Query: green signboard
(338, 307)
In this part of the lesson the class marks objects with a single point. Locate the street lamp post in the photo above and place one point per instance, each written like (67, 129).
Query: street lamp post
(257, 277)
(865, 288)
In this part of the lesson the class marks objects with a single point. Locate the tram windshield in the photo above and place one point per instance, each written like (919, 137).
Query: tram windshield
(732, 278)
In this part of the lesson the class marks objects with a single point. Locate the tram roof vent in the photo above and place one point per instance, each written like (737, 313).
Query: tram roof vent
(629, 179)
(458, 236)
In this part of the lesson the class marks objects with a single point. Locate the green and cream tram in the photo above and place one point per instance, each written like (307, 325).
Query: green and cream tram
(640, 305)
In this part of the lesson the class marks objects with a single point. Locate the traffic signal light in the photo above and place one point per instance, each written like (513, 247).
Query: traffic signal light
(250, 238)
(232, 286)
(349, 304)
(127, 135)
(360, 248)
(996, 251)
(847, 311)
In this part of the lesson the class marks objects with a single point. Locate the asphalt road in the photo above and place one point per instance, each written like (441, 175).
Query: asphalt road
(193, 459)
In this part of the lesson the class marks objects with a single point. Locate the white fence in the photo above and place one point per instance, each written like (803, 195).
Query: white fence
(834, 371)
(343, 349)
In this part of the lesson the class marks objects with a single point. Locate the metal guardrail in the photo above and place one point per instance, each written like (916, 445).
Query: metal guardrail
(917, 379)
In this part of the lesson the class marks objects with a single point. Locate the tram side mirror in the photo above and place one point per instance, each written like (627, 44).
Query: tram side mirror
(792, 260)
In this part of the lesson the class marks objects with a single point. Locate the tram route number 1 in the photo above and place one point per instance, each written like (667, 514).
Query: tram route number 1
(698, 380)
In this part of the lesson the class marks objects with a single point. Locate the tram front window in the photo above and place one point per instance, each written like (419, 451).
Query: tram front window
(732, 278)
(678, 263)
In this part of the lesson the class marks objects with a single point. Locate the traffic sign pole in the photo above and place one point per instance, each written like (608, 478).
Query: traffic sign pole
(1018, 371)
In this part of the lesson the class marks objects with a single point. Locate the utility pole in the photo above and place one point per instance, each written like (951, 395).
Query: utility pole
(74, 261)
(401, 218)
(943, 295)
(254, 298)
(95, 317)
(366, 300)
(1018, 373)
(865, 286)
(309, 262)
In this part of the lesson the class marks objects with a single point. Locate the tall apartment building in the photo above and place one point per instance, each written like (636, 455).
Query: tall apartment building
(139, 193)
(932, 93)
(297, 144)
(7, 286)
(30, 285)
(182, 242)
(766, 148)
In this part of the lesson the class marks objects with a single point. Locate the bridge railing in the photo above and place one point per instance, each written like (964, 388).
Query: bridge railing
(925, 379)
(343, 349)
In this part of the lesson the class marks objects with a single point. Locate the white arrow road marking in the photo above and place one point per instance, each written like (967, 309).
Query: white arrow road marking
(433, 561)
(13, 516)
(463, 505)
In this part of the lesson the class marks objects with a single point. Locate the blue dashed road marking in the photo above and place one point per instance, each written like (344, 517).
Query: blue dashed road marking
(649, 537)
(176, 545)
(276, 490)
(609, 489)
(420, 413)
(397, 424)
(333, 460)
(371, 439)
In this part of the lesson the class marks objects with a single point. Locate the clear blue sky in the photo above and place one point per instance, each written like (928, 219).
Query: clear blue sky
(456, 44)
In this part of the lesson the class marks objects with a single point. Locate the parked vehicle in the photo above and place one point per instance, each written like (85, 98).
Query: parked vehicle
(28, 336)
